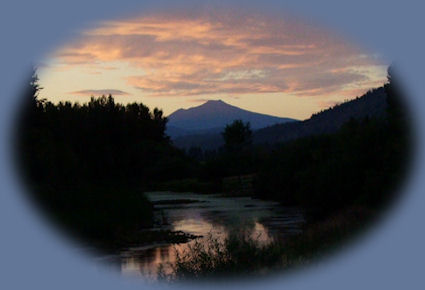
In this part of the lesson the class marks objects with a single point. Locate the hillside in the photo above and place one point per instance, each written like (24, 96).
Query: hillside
(371, 104)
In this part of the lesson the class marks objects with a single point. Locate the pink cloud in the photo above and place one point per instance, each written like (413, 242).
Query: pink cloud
(230, 53)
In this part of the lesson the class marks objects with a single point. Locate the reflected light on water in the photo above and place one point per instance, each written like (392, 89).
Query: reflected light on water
(212, 216)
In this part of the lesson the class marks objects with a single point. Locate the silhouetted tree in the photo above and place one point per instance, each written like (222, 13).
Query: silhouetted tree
(237, 135)
(34, 87)
(396, 106)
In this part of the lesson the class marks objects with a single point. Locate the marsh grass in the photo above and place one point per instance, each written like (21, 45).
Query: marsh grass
(237, 255)
(213, 257)
(242, 255)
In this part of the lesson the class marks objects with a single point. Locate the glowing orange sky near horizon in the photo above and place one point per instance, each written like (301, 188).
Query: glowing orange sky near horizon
(273, 65)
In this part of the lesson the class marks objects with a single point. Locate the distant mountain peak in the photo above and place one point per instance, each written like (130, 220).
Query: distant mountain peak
(215, 102)
(210, 106)
(215, 115)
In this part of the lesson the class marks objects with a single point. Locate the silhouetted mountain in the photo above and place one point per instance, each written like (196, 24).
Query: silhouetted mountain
(372, 104)
(213, 116)
(175, 131)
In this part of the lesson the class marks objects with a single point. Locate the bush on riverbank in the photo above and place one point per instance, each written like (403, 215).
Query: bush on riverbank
(103, 215)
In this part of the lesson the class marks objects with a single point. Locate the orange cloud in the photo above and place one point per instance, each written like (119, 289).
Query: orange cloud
(186, 55)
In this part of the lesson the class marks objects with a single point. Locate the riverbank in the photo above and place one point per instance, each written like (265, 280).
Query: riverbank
(123, 217)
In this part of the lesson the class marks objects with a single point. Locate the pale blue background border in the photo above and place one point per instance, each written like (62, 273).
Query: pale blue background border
(33, 256)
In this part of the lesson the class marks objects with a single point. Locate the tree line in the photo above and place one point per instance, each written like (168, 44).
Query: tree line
(100, 141)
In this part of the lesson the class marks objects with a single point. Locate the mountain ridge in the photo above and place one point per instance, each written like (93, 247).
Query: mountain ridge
(371, 104)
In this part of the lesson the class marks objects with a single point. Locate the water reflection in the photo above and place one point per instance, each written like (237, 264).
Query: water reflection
(206, 215)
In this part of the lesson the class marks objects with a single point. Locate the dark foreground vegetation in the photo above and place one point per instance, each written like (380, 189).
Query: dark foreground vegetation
(89, 164)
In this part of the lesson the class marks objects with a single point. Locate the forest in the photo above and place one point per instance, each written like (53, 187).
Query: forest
(89, 164)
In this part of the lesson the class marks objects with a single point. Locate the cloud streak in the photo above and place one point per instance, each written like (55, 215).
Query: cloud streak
(101, 92)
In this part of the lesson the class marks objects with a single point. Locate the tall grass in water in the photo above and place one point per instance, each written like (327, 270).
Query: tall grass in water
(242, 255)
(238, 254)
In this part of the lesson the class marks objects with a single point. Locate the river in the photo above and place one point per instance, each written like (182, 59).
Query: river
(206, 215)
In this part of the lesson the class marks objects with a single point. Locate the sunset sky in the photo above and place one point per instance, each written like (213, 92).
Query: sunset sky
(274, 65)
